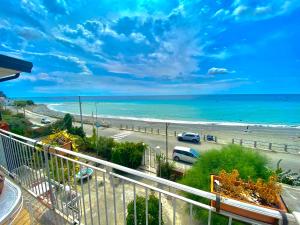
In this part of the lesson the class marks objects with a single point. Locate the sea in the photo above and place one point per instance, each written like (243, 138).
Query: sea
(264, 110)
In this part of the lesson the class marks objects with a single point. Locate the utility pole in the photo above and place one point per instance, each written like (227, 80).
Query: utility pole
(167, 151)
(80, 112)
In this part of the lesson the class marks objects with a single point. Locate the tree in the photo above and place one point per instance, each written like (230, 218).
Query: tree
(153, 211)
(68, 120)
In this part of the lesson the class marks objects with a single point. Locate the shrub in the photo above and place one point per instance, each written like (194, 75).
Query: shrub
(166, 169)
(287, 176)
(18, 124)
(153, 211)
(77, 131)
(250, 164)
(128, 154)
(104, 146)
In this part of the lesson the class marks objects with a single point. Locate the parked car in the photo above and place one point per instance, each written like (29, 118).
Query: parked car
(45, 121)
(210, 137)
(185, 136)
(186, 154)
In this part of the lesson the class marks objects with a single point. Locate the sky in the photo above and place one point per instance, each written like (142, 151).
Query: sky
(152, 47)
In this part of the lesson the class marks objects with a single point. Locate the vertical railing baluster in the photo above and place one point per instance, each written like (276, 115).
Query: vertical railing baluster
(21, 163)
(75, 185)
(58, 180)
(159, 208)
(134, 200)
(105, 199)
(191, 214)
(46, 150)
(14, 160)
(43, 174)
(209, 217)
(82, 193)
(64, 183)
(230, 220)
(34, 168)
(147, 214)
(28, 174)
(39, 184)
(97, 197)
(90, 200)
(114, 198)
(6, 153)
(174, 210)
(124, 204)
(53, 178)
(69, 184)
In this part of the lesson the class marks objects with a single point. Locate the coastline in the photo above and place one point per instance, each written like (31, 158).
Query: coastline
(174, 121)
(281, 134)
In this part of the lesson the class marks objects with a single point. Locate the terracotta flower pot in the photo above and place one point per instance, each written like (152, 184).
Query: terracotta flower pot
(245, 213)
(2, 179)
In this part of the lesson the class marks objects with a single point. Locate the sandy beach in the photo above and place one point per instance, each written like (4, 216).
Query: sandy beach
(280, 135)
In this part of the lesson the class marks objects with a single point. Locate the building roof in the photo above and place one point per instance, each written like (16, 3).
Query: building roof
(10, 68)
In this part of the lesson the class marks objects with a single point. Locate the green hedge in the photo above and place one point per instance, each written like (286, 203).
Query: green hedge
(128, 154)
(249, 163)
(153, 211)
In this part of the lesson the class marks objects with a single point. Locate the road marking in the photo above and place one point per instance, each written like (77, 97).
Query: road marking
(121, 135)
(290, 194)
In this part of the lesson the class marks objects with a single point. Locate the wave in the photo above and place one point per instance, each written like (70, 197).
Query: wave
(174, 121)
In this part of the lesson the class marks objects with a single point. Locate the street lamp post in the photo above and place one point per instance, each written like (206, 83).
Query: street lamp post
(167, 151)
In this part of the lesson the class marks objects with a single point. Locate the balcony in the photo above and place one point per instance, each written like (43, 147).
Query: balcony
(50, 184)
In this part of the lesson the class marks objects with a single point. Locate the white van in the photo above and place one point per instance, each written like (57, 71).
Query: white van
(186, 154)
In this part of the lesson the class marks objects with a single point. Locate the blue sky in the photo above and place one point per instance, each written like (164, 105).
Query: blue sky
(152, 47)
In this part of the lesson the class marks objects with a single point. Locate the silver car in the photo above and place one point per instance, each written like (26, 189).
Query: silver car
(185, 136)
(45, 121)
(186, 154)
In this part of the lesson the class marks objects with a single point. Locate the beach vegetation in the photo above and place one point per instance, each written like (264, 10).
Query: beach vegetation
(128, 154)
(249, 163)
(153, 211)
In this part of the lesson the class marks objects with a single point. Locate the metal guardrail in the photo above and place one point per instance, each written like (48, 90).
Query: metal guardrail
(260, 145)
(102, 198)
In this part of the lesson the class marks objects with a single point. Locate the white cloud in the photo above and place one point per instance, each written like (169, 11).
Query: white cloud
(215, 70)
(30, 33)
(249, 10)
(137, 37)
(39, 77)
(120, 86)
(175, 56)
(240, 10)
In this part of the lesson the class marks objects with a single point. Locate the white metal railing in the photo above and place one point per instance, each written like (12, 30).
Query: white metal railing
(49, 173)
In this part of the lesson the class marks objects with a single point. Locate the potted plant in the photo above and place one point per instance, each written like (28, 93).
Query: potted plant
(261, 193)
(2, 179)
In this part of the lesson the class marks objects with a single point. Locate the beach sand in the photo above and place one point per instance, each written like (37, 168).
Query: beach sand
(225, 133)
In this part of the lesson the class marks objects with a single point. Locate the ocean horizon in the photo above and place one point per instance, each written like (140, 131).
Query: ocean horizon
(281, 110)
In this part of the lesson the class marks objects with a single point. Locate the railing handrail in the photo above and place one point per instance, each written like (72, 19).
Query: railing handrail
(191, 190)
